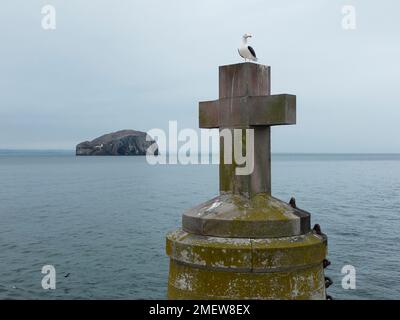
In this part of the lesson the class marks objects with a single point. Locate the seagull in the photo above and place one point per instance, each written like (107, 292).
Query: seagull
(245, 51)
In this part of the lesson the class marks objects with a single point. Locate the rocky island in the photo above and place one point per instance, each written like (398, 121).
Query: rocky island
(120, 143)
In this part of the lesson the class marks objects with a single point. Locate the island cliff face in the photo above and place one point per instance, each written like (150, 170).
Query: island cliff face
(120, 143)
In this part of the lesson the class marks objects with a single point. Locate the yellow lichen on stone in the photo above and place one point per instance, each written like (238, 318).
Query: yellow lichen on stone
(186, 282)
(256, 255)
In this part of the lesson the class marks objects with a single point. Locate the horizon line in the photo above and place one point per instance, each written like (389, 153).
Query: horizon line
(200, 153)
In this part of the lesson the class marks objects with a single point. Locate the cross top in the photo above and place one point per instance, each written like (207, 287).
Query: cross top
(244, 103)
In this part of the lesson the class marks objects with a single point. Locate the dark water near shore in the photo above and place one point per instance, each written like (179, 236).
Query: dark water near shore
(103, 220)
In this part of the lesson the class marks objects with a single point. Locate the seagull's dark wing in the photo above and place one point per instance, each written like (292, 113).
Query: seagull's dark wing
(252, 51)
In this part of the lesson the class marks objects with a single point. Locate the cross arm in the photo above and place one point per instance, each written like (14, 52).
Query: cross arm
(248, 111)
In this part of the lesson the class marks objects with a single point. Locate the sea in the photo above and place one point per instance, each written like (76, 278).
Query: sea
(101, 221)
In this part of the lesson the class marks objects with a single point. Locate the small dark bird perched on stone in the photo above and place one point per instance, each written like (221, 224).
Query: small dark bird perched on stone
(326, 263)
(328, 282)
(292, 202)
(317, 229)
(67, 275)
(328, 297)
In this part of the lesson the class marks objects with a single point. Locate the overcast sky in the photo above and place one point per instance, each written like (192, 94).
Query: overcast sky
(127, 64)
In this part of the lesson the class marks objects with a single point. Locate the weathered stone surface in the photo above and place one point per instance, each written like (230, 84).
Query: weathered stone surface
(212, 252)
(120, 143)
(204, 267)
(243, 112)
(247, 254)
(235, 216)
(188, 282)
(244, 79)
(245, 103)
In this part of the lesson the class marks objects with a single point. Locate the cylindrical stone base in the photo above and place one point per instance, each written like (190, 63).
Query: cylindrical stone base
(203, 267)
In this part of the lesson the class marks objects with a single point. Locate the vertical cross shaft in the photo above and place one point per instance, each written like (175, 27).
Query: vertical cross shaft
(243, 80)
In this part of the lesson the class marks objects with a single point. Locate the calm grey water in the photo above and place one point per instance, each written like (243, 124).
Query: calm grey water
(103, 220)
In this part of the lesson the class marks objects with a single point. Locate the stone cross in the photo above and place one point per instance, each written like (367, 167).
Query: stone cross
(244, 243)
(245, 102)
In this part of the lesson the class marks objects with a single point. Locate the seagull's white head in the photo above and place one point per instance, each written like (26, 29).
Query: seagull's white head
(247, 35)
